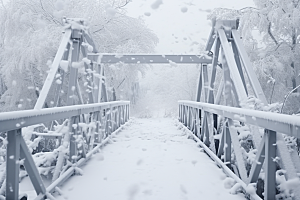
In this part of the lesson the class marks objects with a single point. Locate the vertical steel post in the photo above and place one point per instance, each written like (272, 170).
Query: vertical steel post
(106, 121)
(179, 107)
(227, 82)
(270, 165)
(203, 126)
(200, 83)
(103, 89)
(125, 113)
(97, 83)
(78, 91)
(192, 119)
(113, 119)
(195, 120)
(220, 91)
(205, 82)
(239, 65)
(220, 149)
(116, 118)
(73, 143)
(227, 144)
(200, 123)
(102, 124)
(98, 125)
(59, 86)
(110, 117)
(12, 164)
(210, 98)
(89, 79)
(183, 114)
(76, 35)
(119, 116)
(188, 116)
(122, 114)
(198, 118)
(128, 111)
(101, 80)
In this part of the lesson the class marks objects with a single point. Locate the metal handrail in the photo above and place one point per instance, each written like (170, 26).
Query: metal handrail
(201, 119)
(110, 115)
(287, 124)
(18, 119)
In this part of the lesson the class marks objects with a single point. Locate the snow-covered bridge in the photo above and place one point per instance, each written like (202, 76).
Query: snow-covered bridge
(228, 141)
(148, 159)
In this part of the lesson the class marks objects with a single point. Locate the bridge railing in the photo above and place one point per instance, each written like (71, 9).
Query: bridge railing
(78, 143)
(223, 126)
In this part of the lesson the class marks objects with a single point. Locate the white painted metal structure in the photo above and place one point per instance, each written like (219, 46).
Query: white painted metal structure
(205, 120)
(222, 116)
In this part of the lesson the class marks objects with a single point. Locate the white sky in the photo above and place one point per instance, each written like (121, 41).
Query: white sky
(169, 22)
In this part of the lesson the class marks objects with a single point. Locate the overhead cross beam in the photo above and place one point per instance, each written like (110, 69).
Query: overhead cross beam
(152, 58)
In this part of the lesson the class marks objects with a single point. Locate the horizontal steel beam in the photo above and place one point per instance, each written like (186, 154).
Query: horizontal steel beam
(151, 59)
(282, 123)
(19, 119)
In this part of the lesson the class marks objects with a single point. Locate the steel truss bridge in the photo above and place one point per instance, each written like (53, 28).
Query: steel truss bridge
(215, 112)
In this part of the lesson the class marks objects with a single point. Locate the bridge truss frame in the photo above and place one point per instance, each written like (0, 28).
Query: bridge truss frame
(108, 116)
(200, 118)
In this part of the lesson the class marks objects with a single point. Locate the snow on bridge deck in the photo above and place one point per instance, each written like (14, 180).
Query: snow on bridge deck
(149, 159)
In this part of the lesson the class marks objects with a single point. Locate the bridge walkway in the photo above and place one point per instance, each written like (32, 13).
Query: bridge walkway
(149, 159)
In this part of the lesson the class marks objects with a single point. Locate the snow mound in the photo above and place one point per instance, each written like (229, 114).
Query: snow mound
(229, 183)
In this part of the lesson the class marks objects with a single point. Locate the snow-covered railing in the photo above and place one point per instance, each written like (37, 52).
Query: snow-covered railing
(87, 130)
(228, 127)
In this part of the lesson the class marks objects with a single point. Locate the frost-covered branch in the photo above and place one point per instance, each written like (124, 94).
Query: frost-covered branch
(287, 96)
(270, 33)
(121, 6)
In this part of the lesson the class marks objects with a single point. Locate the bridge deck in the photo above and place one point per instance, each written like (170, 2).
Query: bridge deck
(149, 159)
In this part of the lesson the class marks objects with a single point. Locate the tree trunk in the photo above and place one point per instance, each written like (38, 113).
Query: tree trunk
(297, 75)
(294, 76)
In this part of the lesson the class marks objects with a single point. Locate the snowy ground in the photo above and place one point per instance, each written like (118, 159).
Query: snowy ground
(149, 159)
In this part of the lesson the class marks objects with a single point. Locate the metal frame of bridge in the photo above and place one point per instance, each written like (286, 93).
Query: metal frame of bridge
(200, 118)
(208, 118)
(108, 117)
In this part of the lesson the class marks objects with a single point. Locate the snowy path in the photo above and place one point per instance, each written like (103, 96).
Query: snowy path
(149, 159)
